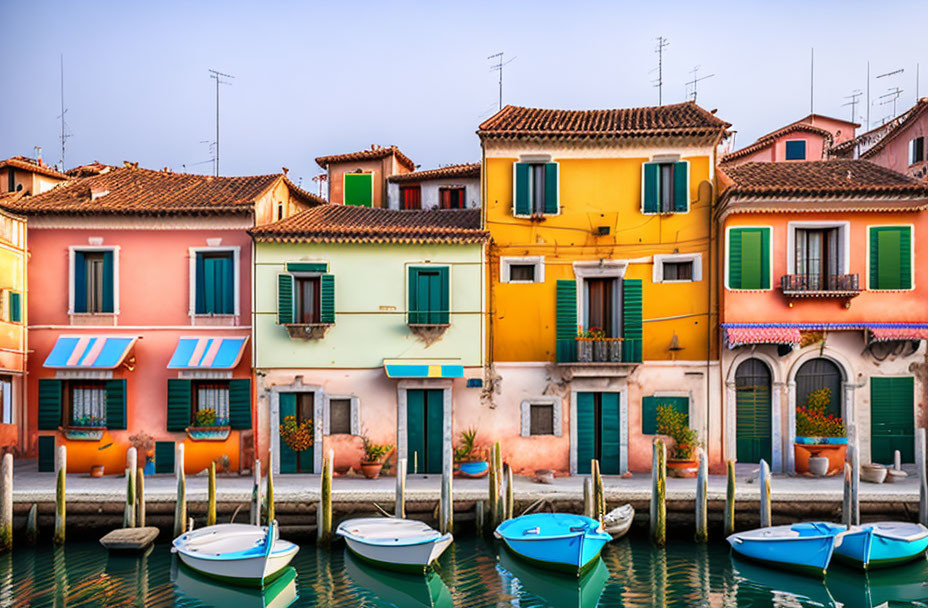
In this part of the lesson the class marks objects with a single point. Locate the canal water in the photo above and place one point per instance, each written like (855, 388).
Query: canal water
(474, 572)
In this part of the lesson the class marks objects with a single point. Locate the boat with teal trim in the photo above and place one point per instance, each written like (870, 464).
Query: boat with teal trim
(406, 545)
(805, 547)
(883, 544)
(556, 541)
(399, 588)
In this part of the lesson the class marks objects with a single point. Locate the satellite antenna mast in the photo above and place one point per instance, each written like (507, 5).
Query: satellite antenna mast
(64, 132)
(891, 97)
(696, 80)
(218, 77)
(854, 100)
(499, 68)
(812, 82)
(662, 43)
(895, 92)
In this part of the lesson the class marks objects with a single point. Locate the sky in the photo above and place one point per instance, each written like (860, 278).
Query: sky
(333, 77)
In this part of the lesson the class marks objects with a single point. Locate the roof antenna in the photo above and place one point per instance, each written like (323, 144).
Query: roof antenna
(854, 100)
(218, 77)
(662, 43)
(499, 68)
(696, 80)
(812, 83)
(893, 92)
(64, 129)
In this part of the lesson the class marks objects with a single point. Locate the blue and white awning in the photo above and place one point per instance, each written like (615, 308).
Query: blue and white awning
(89, 352)
(423, 368)
(207, 353)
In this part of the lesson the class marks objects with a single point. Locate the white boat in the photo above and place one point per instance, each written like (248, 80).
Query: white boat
(399, 544)
(236, 553)
(805, 547)
(617, 521)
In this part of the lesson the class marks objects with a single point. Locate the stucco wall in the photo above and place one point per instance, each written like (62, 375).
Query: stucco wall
(430, 196)
(13, 335)
(895, 155)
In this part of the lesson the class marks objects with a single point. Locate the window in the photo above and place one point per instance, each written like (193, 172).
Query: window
(339, 416)
(429, 302)
(93, 288)
(817, 257)
(542, 419)
(94, 282)
(536, 189)
(820, 376)
(796, 150)
(522, 273)
(14, 306)
(649, 407)
(890, 257)
(541, 416)
(306, 295)
(307, 300)
(215, 283)
(522, 269)
(6, 399)
(359, 189)
(87, 404)
(748, 258)
(11, 180)
(916, 150)
(602, 305)
(665, 187)
(452, 197)
(678, 271)
(213, 396)
(677, 267)
(410, 197)
(280, 211)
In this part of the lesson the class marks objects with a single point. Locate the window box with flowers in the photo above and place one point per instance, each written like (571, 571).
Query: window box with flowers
(594, 347)
(207, 426)
(819, 434)
(85, 428)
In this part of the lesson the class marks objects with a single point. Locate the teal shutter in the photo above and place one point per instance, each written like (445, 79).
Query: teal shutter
(16, 307)
(632, 332)
(586, 431)
(435, 431)
(566, 321)
(891, 257)
(108, 282)
(413, 281)
(415, 429)
(429, 295)
(651, 187)
(164, 457)
(892, 418)
(649, 411)
(288, 457)
(80, 282)
(765, 258)
(681, 186)
(551, 188)
(444, 296)
(327, 298)
(215, 284)
(199, 269)
(285, 311)
(523, 204)
(180, 404)
(47, 454)
(240, 404)
(116, 404)
(609, 434)
(49, 404)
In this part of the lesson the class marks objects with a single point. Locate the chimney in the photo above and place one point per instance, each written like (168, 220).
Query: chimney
(38, 156)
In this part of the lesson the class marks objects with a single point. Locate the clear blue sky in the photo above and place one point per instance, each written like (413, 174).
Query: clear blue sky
(333, 77)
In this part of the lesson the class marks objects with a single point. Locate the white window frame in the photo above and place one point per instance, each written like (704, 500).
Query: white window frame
(844, 243)
(450, 268)
(355, 414)
(728, 230)
(911, 228)
(93, 249)
(236, 269)
(598, 269)
(657, 272)
(911, 147)
(6, 388)
(663, 159)
(805, 150)
(506, 262)
(526, 415)
(535, 159)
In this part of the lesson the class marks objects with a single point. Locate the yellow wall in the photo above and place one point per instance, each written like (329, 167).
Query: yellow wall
(598, 191)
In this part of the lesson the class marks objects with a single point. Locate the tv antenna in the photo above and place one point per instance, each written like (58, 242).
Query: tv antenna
(218, 77)
(854, 100)
(498, 67)
(64, 127)
(696, 80)
(891, 97)
(662, 43)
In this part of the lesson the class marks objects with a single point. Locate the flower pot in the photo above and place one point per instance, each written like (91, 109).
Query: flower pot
(599, 351)
(474, 468)
(83, 433)
(371, 469)
(149, 465)
(584, 351)
(873, 473)
(818, 466)
(615, 351)
(208, 433)
(682, 468)
(96, 470)
(836, 455)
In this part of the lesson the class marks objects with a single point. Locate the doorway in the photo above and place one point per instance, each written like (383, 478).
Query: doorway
(300, 406)
(424, 430)
(599, 432)
(753, 429)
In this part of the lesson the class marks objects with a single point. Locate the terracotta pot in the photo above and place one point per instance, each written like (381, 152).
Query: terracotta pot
(371, 469)
(96, 470)
(682, 468)
(835, 453)
(818, 466)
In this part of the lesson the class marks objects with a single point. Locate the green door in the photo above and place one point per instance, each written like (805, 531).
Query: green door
(598, 432)
(424, 430)
(300, 406)
(892, 419)
(753, 439)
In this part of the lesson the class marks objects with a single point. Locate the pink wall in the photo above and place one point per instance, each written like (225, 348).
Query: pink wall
(840, 129)
(895, 155)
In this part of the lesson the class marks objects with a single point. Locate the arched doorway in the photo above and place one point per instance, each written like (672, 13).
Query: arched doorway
(752, 412)
(816, 375)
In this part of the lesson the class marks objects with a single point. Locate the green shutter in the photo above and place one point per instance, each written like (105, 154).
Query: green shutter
(288, 457)
(523, 204)
(180, 404)
(307, 267)
(415, 430)
(632, 332)
(905, 258)
(199, 270)
(285, 311)
(16, 307)
(327, 298)
(116, 404)
(359, 189)
(429, 295)
(649, 411)
(413, 280)
(753, 423)
(681, 186)
(434, 431)
(765, 258)
(566, 321)
(80, 282)
(890, 257)
(444, 296)
(734, 258)
(651, 187)
(751, 264)
(47, 454)
(609, 434)
(109, 279)
(240, 404)
(164, 457)
(49, 404)
(892, 418)
(551, 188)
(586, 431)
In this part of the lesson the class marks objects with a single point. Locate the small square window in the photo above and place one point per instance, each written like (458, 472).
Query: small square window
(796, 150)
(452, 198)
(678, 271)
(522, 272)
(411, 197)
(916, 150)
(541, 419)
(339, 416)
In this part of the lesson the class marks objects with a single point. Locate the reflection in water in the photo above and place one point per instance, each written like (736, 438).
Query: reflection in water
(472, 573)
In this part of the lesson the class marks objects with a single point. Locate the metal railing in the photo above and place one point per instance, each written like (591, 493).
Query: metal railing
(798, 283)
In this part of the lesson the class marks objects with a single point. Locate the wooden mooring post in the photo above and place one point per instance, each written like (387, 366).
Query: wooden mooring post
(702, 506)
(510, 500)
(854, 452)
(846, 498)
(588, 497)
(729, 523)
(399, 506)
(140, 497)
(6, 502)
(496, 474)
(324, 517)
(180, 506)
(766, 514)
(32, 525)
(446, 512)
(255, 515)
(128, 520)
(658, 521)
(920, 463)
(269, 493)
(61, 470)
(211, 496)
(599, 499)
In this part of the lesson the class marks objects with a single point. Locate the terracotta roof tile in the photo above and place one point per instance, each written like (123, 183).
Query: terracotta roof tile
(766, 140)
(686, 119)
(374, 153)
(449, 172)
(874, 140)
(333, 223)
(133, 191)
(30, 164)
(94, 168)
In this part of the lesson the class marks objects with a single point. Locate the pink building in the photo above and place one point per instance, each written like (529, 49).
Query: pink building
(140, 316)
(809, 138)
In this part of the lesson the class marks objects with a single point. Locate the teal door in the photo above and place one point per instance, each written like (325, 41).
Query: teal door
(892, 419)
(300, 406)
(598, 432)
(424, 430)
(753, 434)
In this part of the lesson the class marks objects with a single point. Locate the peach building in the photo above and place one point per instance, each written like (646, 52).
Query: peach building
(810, 138)
(28, 175)
(360, 178)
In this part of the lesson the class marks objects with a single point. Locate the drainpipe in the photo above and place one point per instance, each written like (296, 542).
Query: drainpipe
(709, 290)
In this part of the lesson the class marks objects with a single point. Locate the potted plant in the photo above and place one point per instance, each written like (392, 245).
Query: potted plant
(207, 426)
(374, 454)
(470, 458)
(297, 435)
(591, 345)
(85, 428)
(819, 434)
(144, 444)
(682, 459)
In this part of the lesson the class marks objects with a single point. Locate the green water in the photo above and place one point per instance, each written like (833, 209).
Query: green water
(473, 573)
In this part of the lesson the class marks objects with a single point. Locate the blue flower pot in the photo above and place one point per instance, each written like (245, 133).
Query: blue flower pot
(474, 468)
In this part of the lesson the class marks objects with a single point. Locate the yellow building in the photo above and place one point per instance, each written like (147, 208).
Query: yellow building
(13, 336)
(601, 279)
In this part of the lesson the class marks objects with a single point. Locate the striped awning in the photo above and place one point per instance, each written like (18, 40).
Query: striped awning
(423, 368)
(89, 352)
(739, 336)
(207, 353)
(885, 334)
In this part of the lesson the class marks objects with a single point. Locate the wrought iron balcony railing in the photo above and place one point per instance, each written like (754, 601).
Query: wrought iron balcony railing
(820, 285)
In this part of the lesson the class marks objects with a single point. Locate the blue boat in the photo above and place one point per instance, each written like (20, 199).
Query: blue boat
(556, 541)
(882, 544)
(805, 547)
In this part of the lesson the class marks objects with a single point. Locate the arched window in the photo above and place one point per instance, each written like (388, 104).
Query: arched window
(815, 375)
(752, 416)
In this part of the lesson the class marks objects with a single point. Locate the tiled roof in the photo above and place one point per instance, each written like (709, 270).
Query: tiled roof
(874, 140)
(133, 191)
(682, 119)
(768, 139)
(374, 153)
(333, 223)
(94, 168)
(29, 164)
(449, 172)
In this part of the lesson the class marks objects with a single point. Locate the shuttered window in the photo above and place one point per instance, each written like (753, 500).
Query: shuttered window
(215, 283)
(536, 188)
(429, 295)
(305, 299)
(339, 416)
(451, 197)
(411, 197)
(665, 187)
(15, 307)
(566, 321)
(164, 457)
(49, 404)
(359, 189)
(649, 407)
(796, 150)
(240, 404)
(632, 332)
(749, 258)
(179, 404)
(541, 419)
(890, 257)
(892, 418)
(93, 282)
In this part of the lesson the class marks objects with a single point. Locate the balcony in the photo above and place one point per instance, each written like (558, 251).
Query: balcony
(591, 358)
(844, 286)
